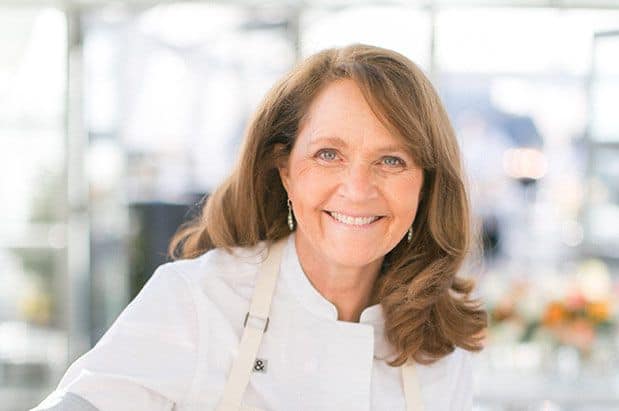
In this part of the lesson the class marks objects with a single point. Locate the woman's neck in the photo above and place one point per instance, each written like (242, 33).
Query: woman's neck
(350, 289)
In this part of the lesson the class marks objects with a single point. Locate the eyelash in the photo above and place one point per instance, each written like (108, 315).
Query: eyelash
(401, 163)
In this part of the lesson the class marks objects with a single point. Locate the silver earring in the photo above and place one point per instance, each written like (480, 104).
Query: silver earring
(290, 221)
(409, 237)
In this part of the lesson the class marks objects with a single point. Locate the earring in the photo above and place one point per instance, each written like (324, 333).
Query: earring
(409, 237)
(290, 221)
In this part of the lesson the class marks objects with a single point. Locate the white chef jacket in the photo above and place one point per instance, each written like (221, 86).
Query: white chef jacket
(173, 346)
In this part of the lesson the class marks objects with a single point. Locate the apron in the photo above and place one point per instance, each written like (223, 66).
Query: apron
(256, 324)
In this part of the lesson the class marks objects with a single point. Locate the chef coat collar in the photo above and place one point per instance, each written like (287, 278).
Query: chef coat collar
(309, 296)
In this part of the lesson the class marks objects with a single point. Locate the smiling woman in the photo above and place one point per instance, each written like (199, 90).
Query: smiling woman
(349, 188)
(354, 103)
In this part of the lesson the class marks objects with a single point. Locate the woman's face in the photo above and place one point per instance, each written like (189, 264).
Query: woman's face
(354, 187)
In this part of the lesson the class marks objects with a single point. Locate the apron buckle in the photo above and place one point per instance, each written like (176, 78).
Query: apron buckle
(264, 323)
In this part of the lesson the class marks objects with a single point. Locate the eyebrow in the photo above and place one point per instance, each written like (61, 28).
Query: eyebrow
(338, 142)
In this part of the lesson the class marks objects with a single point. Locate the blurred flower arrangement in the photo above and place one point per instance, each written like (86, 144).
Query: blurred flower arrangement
(577, 309)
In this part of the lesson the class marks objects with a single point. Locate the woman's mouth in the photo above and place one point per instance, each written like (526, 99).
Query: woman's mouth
(353, 221)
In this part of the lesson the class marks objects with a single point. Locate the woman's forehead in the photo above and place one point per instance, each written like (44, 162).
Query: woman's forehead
(341, 104)
(347, 130)
(341, 108)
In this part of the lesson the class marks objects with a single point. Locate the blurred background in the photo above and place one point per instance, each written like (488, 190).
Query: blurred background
(117, 118)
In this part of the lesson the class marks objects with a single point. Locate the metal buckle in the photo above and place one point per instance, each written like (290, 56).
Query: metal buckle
(266, 322)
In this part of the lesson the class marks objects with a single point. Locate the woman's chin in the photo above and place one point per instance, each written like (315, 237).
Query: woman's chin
(352, 256)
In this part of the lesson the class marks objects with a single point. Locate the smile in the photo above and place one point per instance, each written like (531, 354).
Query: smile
(353, 221)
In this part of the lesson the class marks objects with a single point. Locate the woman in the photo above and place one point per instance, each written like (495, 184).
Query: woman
(322, 274)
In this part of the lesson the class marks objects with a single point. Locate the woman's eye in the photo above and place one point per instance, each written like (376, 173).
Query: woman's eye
(393, 161)
(327, 155)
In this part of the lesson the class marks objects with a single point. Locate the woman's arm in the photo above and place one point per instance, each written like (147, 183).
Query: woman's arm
(146, 360)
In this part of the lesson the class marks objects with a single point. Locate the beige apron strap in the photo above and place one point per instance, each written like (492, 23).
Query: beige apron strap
(256, 323)
(412, 392)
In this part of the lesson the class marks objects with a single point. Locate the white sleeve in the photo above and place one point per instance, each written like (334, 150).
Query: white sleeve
(462, 381)
(147, 359)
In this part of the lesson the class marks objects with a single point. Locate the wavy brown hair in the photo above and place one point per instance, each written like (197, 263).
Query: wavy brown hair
(428, 309)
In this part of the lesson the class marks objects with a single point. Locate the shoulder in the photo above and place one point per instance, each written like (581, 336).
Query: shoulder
(461, 380)
(461, 362)
(456, 365)
(236, 266)
(449, 369)
(451, 374)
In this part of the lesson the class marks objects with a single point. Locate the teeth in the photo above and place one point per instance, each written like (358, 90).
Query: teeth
(353, 220)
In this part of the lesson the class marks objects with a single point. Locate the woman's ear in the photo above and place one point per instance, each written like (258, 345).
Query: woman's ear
(283, 175)
(282, 164)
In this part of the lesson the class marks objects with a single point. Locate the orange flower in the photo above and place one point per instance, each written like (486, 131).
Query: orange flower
(554, 314)
(598, 310)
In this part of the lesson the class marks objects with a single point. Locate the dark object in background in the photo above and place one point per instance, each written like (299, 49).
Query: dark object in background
(153, 225)
(491, 236)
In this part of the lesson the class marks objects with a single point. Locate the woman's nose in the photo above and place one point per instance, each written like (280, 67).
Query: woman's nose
(359, 183)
